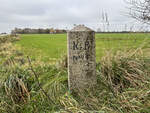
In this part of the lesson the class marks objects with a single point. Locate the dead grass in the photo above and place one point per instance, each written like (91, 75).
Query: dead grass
(123, 70)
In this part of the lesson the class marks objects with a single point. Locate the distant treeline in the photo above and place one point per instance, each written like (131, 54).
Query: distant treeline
(56, 31)
(37, 31)
(125, 32)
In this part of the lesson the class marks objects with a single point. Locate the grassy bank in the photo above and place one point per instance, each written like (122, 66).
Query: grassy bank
(29, 85)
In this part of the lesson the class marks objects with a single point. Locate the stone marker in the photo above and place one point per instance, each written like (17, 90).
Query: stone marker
(81, 58)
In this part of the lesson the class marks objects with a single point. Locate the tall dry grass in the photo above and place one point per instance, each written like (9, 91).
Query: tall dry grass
(124, 69)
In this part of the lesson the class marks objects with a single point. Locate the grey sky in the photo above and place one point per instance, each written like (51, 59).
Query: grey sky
(58, 13)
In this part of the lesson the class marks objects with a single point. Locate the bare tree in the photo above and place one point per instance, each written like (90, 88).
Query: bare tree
(139, 10)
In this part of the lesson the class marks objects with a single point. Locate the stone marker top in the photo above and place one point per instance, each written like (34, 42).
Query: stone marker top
(81, 28)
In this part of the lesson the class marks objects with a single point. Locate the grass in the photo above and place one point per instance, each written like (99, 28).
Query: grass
(52, 46)
(49, 47)
(34, 86)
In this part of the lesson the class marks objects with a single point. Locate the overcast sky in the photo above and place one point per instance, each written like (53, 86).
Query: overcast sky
(59, 13)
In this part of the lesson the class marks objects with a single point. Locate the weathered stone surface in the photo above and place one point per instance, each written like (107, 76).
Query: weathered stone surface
(81, 58)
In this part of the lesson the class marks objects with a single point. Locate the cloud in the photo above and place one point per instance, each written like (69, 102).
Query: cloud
(43, 13)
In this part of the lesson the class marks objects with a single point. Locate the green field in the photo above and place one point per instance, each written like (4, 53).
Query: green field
(53, 46)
